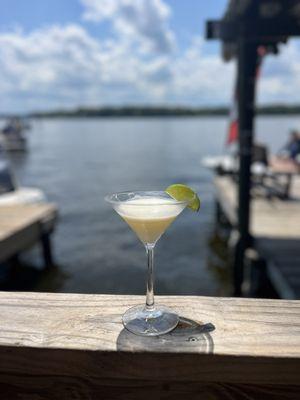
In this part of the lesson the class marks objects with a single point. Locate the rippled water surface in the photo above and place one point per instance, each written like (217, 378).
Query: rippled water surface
(78, 161)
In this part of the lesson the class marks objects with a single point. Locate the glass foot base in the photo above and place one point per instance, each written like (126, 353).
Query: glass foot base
(154, 322)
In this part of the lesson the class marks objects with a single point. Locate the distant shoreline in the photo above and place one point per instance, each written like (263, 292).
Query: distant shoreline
(147, 111)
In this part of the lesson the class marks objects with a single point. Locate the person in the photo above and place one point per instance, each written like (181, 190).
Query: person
(292, 149)
(287, 162)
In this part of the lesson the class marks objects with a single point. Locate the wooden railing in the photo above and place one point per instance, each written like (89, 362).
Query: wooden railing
(69, 346)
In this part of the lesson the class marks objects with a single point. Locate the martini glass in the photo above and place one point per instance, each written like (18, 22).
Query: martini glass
(149, 214)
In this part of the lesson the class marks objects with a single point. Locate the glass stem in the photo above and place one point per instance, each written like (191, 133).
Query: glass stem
(150, 277)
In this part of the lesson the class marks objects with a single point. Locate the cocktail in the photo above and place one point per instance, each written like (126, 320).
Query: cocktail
(149, 213)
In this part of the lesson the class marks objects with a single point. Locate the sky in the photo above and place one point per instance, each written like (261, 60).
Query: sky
(69, 53)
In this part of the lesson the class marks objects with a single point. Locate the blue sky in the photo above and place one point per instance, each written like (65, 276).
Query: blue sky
(69, 53)
(187, 16)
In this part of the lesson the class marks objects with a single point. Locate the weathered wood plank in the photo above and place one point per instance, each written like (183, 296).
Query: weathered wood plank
(243, 327)
(21, 226)
(270, 218)
(91, 388)
(97, 315)
(63, 346)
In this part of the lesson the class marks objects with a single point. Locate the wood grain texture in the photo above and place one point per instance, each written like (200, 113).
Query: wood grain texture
(93, 322)
(21, 226)
(92, 388)
(71, 346)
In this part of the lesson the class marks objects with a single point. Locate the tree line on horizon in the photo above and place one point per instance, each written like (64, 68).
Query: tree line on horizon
(156, 111)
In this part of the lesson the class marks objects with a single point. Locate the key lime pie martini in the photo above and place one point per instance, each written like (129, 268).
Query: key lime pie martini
(149, 214)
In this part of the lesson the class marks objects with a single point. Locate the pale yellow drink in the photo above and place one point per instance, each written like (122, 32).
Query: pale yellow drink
(149, 218)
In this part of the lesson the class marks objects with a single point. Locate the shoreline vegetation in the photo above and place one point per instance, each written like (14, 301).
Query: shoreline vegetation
(155, 111)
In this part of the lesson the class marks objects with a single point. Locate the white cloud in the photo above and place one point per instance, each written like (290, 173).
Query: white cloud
(200, 78)
(145, 22)
(50, 64)
(65, 66)
(280, 79)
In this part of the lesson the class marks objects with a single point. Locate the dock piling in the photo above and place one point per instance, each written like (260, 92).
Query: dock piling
(247, 65)
(47, 250)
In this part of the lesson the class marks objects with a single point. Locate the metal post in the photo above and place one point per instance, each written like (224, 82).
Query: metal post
(247, 63)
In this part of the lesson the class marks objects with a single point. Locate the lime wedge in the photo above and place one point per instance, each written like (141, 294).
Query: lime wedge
(182, 192)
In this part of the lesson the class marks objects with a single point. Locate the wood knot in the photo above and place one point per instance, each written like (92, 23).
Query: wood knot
(192, 339)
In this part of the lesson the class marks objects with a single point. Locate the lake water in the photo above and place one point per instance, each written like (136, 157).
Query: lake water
(78, 161)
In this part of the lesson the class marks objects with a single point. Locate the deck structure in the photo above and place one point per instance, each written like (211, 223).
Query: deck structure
(71, 346)
(275, 231)
(247, 27)
(22, 226)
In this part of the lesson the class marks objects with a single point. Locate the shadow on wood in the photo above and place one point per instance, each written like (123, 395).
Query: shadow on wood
(188, 336)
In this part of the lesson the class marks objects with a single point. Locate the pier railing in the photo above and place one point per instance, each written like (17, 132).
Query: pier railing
(71, 346)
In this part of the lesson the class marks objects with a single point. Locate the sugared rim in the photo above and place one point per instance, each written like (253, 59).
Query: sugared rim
(116, 198)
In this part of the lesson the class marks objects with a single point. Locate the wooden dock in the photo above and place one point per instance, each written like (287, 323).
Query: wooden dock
(72, 346)
(275, 228)
(22, 226)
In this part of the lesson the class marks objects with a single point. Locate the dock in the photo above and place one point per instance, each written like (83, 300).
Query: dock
(22, 226)
(275, 229)
(73, 346)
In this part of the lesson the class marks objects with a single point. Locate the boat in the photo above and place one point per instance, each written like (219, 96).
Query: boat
(12, 137)
(227, 163)
(10, 191)
(262, 163)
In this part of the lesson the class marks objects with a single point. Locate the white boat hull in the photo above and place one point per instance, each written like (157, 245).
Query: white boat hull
(22, 196)
(13, 143)
(226, 162)
(229, 164)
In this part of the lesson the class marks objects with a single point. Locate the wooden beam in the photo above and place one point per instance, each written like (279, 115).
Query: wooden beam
(247, 66)
(63, 346)
(261, 30)
(219, 29)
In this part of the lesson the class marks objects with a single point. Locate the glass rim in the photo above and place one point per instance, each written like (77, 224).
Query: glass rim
(112, 198)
